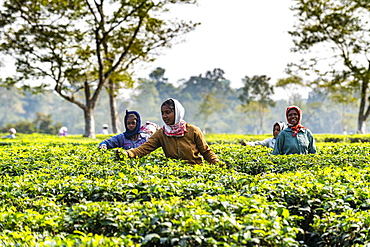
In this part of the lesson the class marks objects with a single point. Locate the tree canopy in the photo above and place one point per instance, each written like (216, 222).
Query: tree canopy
(340, 30)
(76, 46)
(322, 112)
(256, 95)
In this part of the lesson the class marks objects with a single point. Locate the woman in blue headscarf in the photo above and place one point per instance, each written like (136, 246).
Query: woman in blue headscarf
(131, 138)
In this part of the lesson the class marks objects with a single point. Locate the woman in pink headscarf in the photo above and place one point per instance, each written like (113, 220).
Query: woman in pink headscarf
(178, 139)
(296, 139)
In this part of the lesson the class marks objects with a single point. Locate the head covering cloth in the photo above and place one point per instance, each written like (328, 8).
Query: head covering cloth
(295, 127)
(281, 124)
(130, 133)
(177, 129)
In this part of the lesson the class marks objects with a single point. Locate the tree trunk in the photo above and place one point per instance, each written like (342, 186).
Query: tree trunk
(362, 127)
(89, 112)
(113, 108)
(362, 115)
(260, 113)
(204, 123)
(89, 122)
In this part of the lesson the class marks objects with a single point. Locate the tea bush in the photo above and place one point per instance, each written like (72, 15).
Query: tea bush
(65, 192)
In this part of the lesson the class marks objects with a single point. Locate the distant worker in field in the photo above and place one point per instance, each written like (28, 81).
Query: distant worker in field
(63, 131)
(133, 137)
(296, 139)
(269, 142)
(12, 132)
(105, 129)
(178, 139)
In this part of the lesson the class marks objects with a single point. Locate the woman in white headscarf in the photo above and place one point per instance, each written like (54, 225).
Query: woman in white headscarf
(269, 142)
(178, 139)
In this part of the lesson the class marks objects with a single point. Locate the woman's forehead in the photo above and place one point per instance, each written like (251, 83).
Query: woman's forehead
(165, 108)
(293, 109)
(131, 118)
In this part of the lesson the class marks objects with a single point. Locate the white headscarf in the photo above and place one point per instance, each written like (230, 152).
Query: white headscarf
(179, 118)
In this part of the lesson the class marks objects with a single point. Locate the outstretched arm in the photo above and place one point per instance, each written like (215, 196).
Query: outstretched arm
(204, 149)
(149, 146)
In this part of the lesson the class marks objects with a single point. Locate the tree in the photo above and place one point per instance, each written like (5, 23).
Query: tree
(113, 88)
(292, 84)
(343, 98)
(151, 92)
(44, 125)
(198, 85)
(41, 124)
(80, 46)
(165, 89)
(209, 92)
(342, 27)
(11, 105)
(256, 96)
(148, 100)
(211, 104)
(24, 127)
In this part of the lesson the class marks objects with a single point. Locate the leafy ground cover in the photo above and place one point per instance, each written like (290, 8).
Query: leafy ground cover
(64, 192)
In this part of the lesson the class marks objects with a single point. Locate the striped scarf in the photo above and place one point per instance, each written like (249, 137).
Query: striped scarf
(177, 130)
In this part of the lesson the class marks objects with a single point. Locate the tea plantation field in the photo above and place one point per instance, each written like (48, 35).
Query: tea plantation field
(65, 192)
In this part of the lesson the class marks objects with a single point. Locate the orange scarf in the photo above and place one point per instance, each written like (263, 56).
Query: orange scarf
(296, 129)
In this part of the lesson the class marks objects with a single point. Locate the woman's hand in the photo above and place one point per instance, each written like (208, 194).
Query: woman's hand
(103, 146)
(121, 154)
(221, 164)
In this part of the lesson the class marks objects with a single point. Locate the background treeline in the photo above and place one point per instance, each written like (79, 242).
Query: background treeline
(53, 52)
(210, 103)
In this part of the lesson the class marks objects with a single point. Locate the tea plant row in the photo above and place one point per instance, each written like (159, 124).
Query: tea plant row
(71, 194)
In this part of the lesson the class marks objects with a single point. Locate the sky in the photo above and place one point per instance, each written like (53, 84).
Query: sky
(242, 37)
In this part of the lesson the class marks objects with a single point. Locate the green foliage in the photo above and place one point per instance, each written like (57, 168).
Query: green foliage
(341, 27)
(212, 91)
(293, 85)
(210, 104)
(319, 114)
(256, 98)
(295, 80)
(25, 127)
(42, 124)
(320, 138)
(257, 89)
(80, 46)
(63, 191)
(212, 82)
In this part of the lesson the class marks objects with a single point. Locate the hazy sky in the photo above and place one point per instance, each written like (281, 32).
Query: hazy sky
(242, 37)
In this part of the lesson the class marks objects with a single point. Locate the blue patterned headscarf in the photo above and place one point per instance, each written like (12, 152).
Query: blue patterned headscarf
(129, 133)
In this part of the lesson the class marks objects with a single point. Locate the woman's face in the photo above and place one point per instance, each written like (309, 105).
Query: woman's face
(168, 115)
(293, 116)
(276, 130)
(131, 123)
